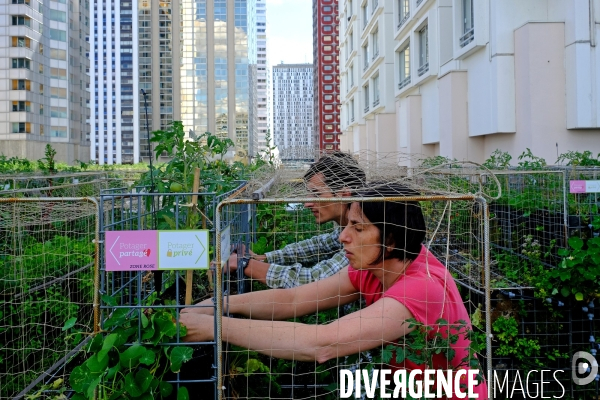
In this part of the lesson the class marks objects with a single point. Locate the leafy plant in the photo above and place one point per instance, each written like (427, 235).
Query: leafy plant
(578, 274)
(578, 159)
(48, 163)
(121, 364)
(498, 160)
(506, 331)
(528, 161)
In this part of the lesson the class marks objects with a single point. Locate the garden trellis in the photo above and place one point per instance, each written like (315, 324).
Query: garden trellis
(520, 306)
(47, 263)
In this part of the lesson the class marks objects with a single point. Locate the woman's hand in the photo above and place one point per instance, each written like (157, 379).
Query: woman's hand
(200, 327)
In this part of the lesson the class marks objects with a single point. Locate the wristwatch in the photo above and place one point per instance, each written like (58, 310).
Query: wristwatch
(243, 263)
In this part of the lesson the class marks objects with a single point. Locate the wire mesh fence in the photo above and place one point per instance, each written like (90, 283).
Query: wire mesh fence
(253, 373)
(79, 184)
(47, 262)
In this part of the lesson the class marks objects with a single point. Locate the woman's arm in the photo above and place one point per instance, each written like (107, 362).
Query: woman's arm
(380, 323)
(281, 304)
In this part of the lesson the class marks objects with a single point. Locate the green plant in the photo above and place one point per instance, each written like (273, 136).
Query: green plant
(506, 331)
(578, 159)
(121, 364)
(578, 273)
(498, 160)
(527, 161)
(48, 163)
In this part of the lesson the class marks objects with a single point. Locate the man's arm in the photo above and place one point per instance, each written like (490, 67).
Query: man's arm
(280, 304)
(288, 276)
(309, 251)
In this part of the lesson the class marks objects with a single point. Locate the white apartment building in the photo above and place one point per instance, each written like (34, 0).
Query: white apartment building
(293, 111)
(114, 112)
(462, 78)
(257, 55)
(44, 86)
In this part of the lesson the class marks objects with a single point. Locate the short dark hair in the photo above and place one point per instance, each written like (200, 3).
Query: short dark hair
(399, 222)
(339, 170)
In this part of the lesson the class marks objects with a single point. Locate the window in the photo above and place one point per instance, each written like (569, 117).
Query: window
(20, 63)
(328, 137)
(365, 51)
(59, 16)
(21, 127)
(58, 73)
(21, 84)
(19, 41)
(375, 41)
(18, 106)
(57, 54)
(327, 9)
(58, 34)
(58, 112)
(21, 20)
(351, 75)
(404, 67)
(376, 91)
(351, 41)
(403, 12)
(366, 94)
(423, 51)
(20, 2)
(58, 93)
(468, 31)
(58, 131)
(365, 14)
(352, 109)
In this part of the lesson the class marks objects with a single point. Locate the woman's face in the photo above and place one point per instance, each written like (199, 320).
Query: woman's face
(361, 239)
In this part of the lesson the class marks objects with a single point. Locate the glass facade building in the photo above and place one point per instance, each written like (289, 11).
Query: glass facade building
(114, 111)
(202, 77)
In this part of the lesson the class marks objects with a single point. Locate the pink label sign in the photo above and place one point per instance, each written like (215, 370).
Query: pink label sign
(131, 250)
(577, 187)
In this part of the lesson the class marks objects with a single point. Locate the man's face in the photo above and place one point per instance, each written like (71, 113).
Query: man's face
(324, 212)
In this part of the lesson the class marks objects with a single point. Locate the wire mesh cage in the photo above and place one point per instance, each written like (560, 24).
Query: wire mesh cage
(47, 262)
(289, 211)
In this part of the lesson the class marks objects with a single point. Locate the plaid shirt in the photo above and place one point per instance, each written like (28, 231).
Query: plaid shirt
(306, 261)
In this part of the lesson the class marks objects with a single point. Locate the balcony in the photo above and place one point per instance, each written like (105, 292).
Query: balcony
(366, 66)
(423, 68)
(375, 102)
(403, 19)
(375, 5)
(467, 37)
(366, 109)
(404, 82)
(375, 54)
(419, 2)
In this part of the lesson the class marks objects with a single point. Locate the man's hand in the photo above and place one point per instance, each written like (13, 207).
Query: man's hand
(200, 328)
(233, 263)
(208, 310)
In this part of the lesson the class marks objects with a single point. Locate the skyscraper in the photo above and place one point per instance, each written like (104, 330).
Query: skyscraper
(43, 90)
(193, 66)
(326, 26)
(115, 123)
(293, 111)
(257, 54)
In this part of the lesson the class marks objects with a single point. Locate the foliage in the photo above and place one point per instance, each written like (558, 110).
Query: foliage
(30, 314)
(48, 163)
(498, 160)
(525, 350)
(578, 159)
(15, 165)
(578, 274)
(435, 161)
(119, 366)
(527, 161)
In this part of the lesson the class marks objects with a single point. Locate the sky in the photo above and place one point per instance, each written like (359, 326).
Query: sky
(289, 31)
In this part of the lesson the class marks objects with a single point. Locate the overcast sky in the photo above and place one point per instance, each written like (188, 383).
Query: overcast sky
(289, 31)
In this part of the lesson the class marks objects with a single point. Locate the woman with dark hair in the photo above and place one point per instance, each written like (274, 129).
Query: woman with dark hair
(398, 277)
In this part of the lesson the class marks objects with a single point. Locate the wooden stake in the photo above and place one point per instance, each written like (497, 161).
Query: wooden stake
(189, 278)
